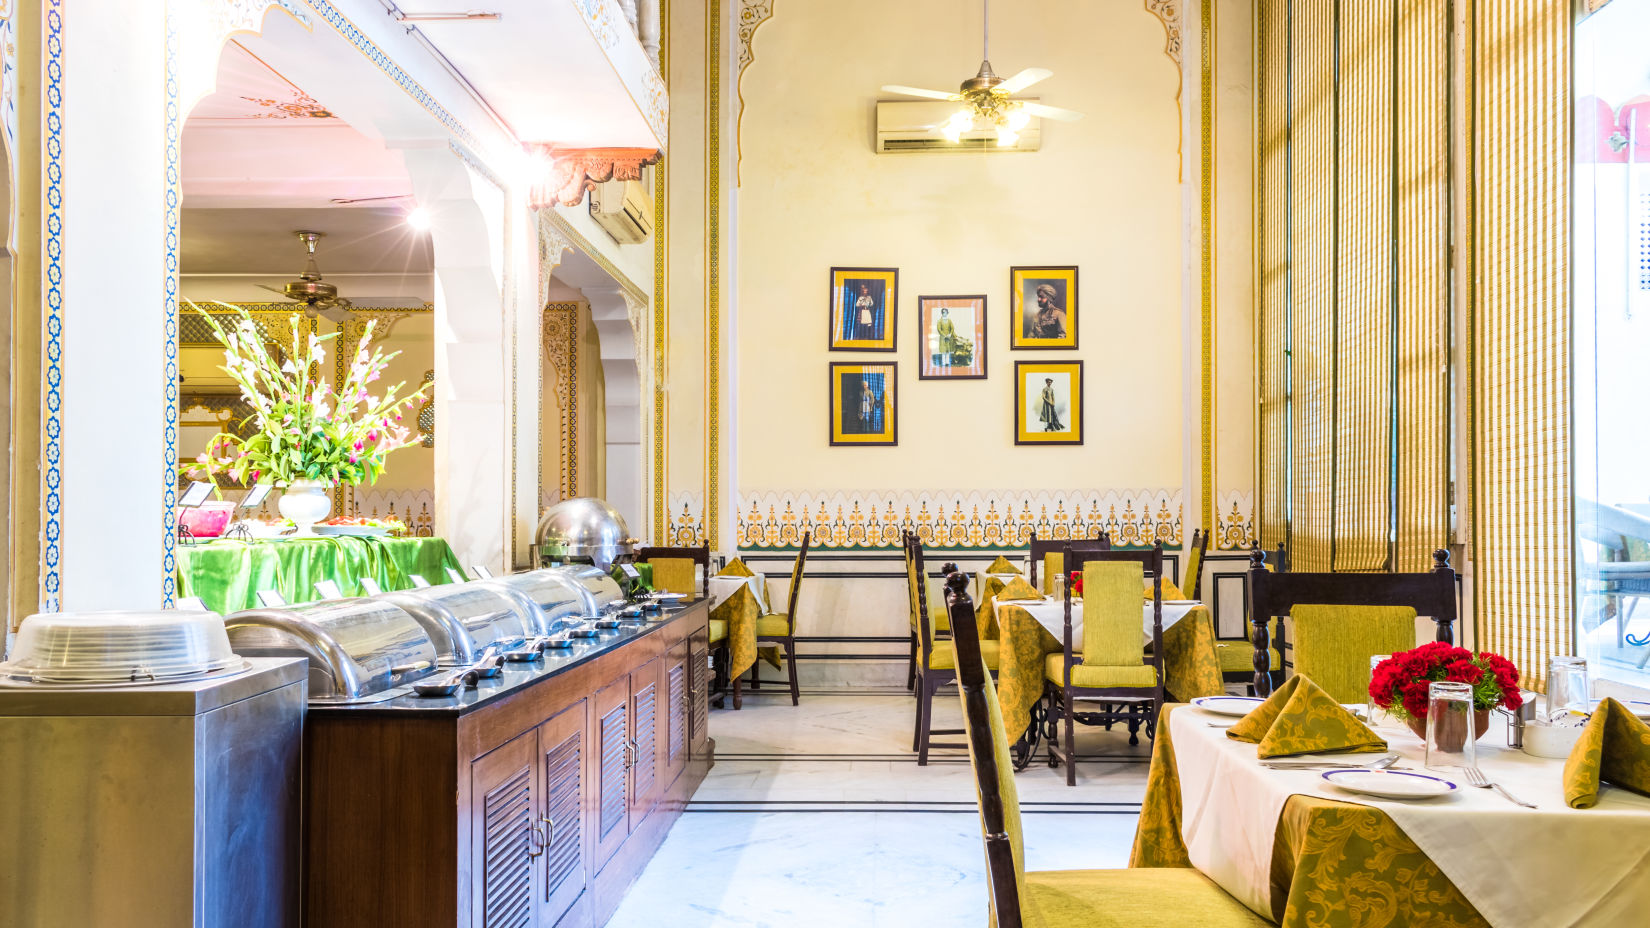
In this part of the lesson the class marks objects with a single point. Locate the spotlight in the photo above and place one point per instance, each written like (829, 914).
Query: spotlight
(419, 218)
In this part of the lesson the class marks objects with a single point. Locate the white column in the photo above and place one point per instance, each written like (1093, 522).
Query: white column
(109, 239)
(610, 314)
(472, 355)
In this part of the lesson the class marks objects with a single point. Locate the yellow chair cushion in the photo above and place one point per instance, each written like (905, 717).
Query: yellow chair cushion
(1141, 898)
(944, 656)
(718, 630)
(774, 624)
(1170, 591)
(1099, 675)
(675, 575)
(1333, 644)
(1111, 612)
(1239, 655)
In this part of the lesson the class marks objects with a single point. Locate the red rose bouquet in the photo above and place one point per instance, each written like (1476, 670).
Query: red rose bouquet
(1077, 583)
(1399, 684)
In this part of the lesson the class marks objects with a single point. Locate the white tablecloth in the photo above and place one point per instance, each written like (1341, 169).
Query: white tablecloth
(720, 588)
(1548, 866)
(1051, 614)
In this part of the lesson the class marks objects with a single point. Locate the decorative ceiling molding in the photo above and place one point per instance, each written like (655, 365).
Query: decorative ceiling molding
(552, 244)
(752, 14)
(549, 217)
(574, 171)
(1169, 12)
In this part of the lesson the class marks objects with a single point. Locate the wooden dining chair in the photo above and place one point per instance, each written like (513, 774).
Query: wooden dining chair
(1236, 656)
(1191, 581)
(937, 665)
(941, 622)
(677, 569)
(779, 628)
(1341, 641)
(1043, 548)
(1110, 666)
(1139, 898)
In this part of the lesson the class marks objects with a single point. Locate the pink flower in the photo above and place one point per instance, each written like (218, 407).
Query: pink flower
(255, 476)
(353, 459)
(357, 446)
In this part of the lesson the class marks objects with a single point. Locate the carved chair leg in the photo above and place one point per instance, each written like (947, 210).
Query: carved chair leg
(925, 718)
(916, 727)
(738, 701)
(1071, 740)
(911, 669)
(790, 664)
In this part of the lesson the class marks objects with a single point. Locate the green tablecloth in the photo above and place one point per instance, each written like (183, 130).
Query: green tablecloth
(228, 575)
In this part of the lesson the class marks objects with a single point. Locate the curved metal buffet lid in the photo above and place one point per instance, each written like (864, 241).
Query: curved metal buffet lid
(572, 589)
(356, 647)
(584, 528)
(462, 618)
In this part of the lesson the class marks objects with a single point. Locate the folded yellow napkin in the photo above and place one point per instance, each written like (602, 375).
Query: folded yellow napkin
(1615, 747)
(736, 568)
(1170, 591)
(1300, 718)
(1018, 589)
(1002, 566)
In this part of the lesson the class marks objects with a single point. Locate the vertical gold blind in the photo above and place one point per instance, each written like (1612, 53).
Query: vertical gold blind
(1520, 365)
(1353, 314)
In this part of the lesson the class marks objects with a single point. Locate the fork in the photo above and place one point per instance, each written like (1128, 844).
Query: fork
(1379, 763)
(1476, 777)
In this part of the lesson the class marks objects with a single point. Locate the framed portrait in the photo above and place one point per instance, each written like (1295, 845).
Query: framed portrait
(1048, 402)
(864, 302)
(863, 407)
(1043, 310)
(951, 337)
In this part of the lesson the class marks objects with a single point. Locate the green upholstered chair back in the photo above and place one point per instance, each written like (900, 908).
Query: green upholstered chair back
(1333, 644)
(677, 569)
(993, 768)
(1111, 613)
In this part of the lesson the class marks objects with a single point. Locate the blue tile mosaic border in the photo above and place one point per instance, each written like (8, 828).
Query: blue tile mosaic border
(53, 528)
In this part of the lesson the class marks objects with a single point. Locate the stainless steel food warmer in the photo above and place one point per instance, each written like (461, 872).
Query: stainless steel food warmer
(463, 618)
(556, 597)
(356, 647)
(584, 530)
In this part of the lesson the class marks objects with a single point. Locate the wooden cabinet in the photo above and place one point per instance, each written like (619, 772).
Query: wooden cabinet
(532, 809)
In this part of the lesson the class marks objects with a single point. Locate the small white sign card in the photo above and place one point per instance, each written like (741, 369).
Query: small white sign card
(256, 496)
(454, 575)
(631, 571)
(372, 587)
(328, 589)
(418, 581)
(269, 599)
(481, 572)
(191, 604)
(196, 494)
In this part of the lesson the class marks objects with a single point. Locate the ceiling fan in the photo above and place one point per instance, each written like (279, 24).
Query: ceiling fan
(317, 295)
(986, 99)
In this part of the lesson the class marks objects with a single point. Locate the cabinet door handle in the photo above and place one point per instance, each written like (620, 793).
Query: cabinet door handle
(549, 830)
(535, 843)
(632, 754)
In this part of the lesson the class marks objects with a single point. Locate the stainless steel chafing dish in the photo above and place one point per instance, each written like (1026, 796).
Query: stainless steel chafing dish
(356, 647)
(463, 618)
(585, 530)
(555, 597)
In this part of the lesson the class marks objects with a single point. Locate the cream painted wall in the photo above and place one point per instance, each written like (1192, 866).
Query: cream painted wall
(1102, 194)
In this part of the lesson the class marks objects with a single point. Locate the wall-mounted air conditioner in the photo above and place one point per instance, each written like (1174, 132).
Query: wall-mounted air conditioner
(914, 125)
(624, 208)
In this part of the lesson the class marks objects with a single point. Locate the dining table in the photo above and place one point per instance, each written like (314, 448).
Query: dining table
(1030, 630)
(227, 574)
(740, 602)
(1301, 851)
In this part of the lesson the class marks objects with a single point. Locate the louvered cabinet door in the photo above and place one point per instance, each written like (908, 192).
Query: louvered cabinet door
(646, 712)
(506, 837)
(561, 741)
(609, 801)
(675, 741)
(699, 683)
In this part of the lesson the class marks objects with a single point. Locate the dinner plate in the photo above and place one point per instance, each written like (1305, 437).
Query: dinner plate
(1227, 705)
(1182, 602)
(1638, 707)
(1389, 784)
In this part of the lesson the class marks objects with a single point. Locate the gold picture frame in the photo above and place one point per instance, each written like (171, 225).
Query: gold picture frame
(864, 309)
(864, 408)
(1048, 402)
(1042, 307)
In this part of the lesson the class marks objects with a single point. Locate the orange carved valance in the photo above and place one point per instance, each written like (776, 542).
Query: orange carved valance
(573, 171)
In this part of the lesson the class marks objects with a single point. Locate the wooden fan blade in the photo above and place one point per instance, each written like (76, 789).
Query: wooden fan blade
(1052, 112)
(919, 92)
(1022, 80)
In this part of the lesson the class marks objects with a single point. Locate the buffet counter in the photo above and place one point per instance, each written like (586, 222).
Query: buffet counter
(228, 575)
(533, 799)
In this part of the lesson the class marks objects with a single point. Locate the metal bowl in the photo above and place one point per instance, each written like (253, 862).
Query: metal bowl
(584, 529)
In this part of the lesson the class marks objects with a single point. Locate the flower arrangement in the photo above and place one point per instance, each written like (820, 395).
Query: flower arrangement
(1399, 683)
(1076, 580)
(305, 431)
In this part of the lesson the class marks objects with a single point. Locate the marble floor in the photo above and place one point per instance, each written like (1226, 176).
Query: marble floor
(819, 815)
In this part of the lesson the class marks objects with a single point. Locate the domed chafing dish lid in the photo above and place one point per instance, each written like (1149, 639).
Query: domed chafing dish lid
(91, 648)
(463, 618)
(585, 529)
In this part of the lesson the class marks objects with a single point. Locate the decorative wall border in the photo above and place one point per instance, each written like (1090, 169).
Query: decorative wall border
(560, 337)
(686, 526)
(1206, 291)
(713, 271)
(958, 518)
(661, 305)
(53, 451)
(752, 14)
(1168, 12)
(1233, 526)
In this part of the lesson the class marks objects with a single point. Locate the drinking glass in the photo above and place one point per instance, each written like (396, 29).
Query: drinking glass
(1450, 734)
(1566, 689)
(1370, 709)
